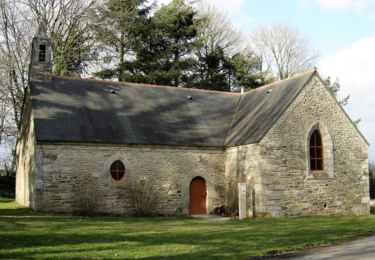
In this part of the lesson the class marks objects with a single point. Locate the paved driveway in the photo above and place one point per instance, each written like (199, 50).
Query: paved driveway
(362, 248)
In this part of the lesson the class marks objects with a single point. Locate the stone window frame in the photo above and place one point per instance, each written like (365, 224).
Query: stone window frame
(107, 170)
(328, 155)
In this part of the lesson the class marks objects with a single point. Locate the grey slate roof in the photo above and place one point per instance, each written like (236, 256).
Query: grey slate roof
(79, 110)
(259, 109)
(68, 110)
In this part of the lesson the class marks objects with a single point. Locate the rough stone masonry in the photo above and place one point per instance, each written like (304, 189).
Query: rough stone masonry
(76, 130)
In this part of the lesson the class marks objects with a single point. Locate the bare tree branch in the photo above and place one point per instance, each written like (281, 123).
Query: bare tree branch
(284, 48)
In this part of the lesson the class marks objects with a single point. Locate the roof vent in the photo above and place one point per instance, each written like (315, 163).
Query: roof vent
(269, 91)
(189, 98)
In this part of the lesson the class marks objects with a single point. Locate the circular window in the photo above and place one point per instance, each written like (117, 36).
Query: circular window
(117, 170)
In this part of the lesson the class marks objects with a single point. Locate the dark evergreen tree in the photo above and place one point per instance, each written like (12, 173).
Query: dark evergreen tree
(172, 46)
(179, 25)
(247, 71)
(115, 25)
(164, 46)
(213, 70)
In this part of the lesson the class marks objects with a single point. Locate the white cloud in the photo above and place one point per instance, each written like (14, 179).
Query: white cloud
(355, 68)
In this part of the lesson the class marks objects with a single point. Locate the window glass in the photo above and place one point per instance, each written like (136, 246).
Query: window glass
(316, 152)
(117, 170)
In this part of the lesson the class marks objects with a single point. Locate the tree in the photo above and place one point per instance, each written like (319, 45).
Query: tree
(164, 45)
(18, 23)
(16, 31)
(284, 48)
(116, 24)
(218, 41)
(68, 28)
(14, 60)
(177, 25)
(15, 38)
(248, 72)
(218, 32)
(212, 70)
(175, 45)
(334, 88)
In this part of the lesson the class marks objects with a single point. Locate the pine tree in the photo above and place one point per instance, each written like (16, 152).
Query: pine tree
(334, 88)
(247, 71)
(164, 46)
(115, 25)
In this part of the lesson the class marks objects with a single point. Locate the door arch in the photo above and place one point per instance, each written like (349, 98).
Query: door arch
(198, 196)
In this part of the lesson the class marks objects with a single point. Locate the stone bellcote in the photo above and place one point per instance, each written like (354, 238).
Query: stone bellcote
(40, 64)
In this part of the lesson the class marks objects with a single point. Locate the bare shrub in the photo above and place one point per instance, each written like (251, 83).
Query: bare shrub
(231, 195)
(144, 195)
(87, 195)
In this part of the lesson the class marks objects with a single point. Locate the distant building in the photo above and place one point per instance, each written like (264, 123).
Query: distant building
(291, 142)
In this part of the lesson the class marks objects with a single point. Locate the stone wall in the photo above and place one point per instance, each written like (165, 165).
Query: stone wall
(169, 169)
(25, 159)
(242, 165)
(276, 171)
(288, 186)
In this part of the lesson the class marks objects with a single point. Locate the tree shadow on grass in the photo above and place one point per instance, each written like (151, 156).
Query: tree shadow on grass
(220, 243)
(6, 200)
(25, 233)
(226, 243)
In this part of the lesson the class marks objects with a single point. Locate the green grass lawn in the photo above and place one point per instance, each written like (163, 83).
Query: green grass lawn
(26, 234)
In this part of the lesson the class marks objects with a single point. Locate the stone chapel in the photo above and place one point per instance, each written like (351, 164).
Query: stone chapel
(296, 148)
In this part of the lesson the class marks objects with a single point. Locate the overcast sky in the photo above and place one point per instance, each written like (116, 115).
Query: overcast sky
(342, 30)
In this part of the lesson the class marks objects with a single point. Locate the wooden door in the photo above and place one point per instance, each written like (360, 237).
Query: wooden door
(198, 196)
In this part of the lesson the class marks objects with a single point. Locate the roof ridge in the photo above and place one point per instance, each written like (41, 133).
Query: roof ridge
(125, 83)
(297, 75)
(232, 119)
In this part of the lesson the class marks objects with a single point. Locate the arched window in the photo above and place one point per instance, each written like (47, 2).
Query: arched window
(117, 170)
(316, 152)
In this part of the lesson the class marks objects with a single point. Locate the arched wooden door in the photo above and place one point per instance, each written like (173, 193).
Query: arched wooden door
(198, 196)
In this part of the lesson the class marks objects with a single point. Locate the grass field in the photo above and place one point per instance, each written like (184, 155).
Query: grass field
(26, 234)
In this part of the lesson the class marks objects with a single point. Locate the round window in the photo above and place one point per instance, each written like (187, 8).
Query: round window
(117, 170)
